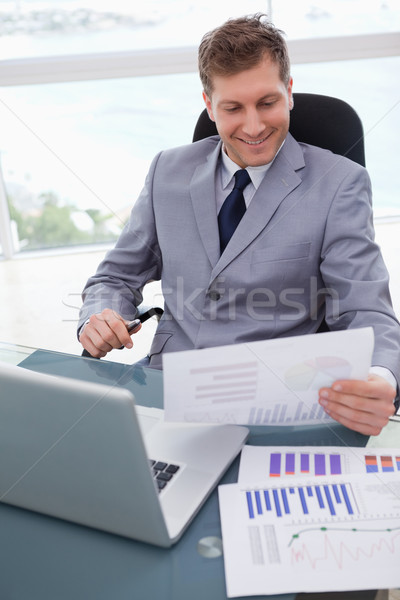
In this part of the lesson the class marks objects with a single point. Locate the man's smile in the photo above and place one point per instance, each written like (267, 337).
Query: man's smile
(255, 142)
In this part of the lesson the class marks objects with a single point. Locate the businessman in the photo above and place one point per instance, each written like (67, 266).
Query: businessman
(252, 234)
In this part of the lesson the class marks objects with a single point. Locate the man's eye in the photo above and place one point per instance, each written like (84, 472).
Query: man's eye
(232, 109)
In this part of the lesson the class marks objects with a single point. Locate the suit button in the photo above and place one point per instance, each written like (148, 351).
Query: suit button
(214, 295)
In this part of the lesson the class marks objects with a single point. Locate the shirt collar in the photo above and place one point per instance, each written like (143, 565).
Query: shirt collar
(229, 169)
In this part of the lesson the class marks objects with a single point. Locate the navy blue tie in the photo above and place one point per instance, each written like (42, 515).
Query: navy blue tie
(232, 209)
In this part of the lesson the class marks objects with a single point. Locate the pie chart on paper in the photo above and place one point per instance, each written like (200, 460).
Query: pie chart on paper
(317, 372)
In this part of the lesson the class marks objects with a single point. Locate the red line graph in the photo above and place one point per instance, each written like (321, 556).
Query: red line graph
(341, 552)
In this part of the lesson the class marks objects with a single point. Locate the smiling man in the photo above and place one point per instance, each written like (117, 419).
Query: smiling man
(253, 234)
(251, 110)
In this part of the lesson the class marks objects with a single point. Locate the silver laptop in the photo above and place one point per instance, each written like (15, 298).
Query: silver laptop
(83, 452)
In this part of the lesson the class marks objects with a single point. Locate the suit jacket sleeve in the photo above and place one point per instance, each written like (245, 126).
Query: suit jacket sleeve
(353, 271)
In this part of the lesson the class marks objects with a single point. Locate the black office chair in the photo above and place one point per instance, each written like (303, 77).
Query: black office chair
(315, 119)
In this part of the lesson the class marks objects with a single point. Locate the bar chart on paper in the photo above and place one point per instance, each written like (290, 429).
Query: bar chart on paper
(272, 382)
(259, 463)
(319, 501)
(382, 464)
(318, 463)
(348, 526)
(283, 413)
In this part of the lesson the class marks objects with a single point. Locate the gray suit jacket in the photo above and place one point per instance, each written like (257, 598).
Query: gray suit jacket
(303, 254)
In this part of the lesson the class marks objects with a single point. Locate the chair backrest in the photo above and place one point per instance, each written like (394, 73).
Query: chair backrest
(315, 119)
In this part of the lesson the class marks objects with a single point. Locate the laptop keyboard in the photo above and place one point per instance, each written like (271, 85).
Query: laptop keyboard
(163, 473)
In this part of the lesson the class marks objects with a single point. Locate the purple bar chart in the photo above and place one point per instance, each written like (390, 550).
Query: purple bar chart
(318, 463)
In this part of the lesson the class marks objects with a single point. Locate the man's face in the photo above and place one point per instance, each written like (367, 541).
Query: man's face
(251, 112)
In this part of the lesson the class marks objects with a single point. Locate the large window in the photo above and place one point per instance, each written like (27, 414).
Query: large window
(74, 155)
(327, 18)
(52, 27)
(30, 27)
(372, 88)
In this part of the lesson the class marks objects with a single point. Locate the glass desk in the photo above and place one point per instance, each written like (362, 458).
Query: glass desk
(44, 558)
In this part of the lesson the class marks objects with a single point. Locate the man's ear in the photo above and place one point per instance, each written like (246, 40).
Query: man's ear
(207, 102)
(290, 94)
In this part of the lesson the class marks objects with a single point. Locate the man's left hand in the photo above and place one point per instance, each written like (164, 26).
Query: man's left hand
(364, 406)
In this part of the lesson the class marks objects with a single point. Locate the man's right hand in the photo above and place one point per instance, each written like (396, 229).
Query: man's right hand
(105, 331)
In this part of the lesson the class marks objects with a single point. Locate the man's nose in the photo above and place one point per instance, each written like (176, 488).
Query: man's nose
(253, 125)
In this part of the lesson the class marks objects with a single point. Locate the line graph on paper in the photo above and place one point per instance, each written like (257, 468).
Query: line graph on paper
(331, 533)
(344, 548)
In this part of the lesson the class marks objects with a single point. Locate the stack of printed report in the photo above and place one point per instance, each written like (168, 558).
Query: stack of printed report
(329, 516)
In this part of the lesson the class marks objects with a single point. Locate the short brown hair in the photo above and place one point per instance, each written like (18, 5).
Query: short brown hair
(240, 44)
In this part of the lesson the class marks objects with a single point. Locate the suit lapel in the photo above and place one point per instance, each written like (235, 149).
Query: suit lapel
(280, 180)
(202, 192)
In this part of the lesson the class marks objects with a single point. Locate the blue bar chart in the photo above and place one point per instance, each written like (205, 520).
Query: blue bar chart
(330, 500)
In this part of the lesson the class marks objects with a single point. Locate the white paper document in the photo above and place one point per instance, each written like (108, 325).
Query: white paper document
(271, 463)
(272, 382)
(311, 534)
